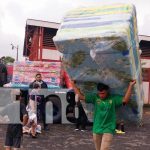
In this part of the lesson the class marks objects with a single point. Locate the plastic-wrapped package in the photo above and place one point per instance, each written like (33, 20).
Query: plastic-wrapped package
(100, 44)
(24, 73)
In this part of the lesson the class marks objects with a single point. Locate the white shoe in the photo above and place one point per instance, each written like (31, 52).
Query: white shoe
(82, 130)
(76, 129)
(38, 129)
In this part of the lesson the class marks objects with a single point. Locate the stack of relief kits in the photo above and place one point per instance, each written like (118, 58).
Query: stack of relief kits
(100, 44)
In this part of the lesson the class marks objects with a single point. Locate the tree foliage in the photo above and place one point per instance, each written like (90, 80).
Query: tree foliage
(7, 59)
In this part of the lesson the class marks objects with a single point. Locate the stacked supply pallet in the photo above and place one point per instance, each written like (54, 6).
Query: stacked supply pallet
(100, 44)
(24, 73)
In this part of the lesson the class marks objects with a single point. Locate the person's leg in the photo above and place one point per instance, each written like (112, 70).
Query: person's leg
(17, 143)
(83, 127)
(8, 142)
(77, 124)
(45, 125)
(43, 115)
(106, 141)
(117, 126)
(33, 129)
(97, 138)
(83, 123)
(7, 148)
(122, 126)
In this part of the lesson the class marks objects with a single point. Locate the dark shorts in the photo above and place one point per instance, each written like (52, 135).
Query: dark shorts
(13, 136)
(13, 142)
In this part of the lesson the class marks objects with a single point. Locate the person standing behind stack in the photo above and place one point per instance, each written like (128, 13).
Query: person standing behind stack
(42, 105)
(82, 119)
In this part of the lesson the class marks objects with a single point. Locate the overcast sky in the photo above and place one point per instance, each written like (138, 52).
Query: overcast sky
(14, 13)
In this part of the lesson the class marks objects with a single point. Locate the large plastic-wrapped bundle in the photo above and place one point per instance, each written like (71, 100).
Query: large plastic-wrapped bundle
(24, 73)
(100, 44)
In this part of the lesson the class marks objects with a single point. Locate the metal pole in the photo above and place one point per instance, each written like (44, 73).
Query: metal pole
(17, 48)
(17, 53)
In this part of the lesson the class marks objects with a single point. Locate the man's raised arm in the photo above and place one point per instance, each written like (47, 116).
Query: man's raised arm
(128, 92)
(77, 91)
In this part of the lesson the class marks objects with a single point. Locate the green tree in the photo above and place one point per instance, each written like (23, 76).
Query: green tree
(7, 59)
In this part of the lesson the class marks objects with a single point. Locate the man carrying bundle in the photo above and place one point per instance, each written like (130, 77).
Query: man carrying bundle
(105, 104)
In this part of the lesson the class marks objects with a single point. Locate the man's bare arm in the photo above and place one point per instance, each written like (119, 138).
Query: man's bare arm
(77, 91)
(128, 92)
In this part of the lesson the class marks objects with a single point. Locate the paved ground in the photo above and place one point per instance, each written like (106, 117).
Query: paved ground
(63, 137)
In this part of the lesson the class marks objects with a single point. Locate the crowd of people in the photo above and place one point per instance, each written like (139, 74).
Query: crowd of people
(32, 112)
(104, 122)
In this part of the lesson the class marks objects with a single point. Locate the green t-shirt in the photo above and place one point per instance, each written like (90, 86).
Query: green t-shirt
(104, 112)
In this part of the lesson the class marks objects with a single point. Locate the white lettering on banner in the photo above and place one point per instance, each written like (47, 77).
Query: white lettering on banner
(9, 106)
(60, 106)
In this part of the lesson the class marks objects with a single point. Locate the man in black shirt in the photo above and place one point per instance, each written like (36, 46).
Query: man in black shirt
(42, 103)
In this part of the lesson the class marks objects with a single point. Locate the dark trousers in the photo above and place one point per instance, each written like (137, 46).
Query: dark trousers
(42, 114)
(82, 119)
(81, 122)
